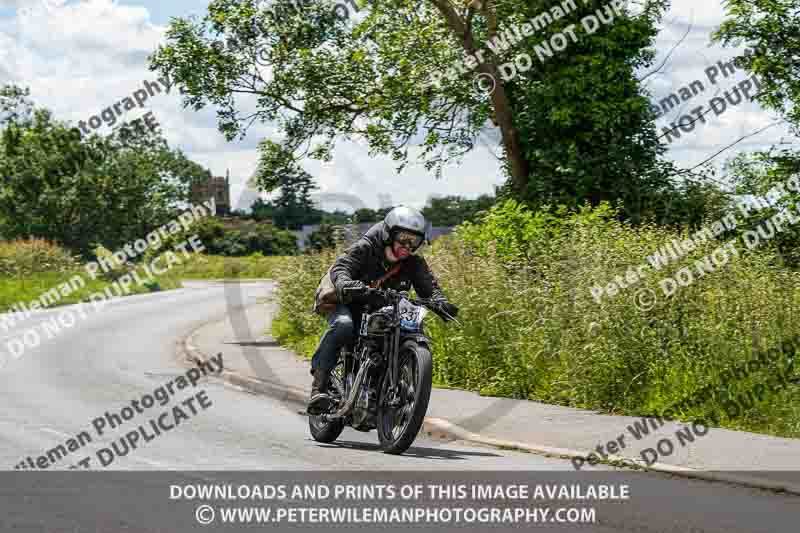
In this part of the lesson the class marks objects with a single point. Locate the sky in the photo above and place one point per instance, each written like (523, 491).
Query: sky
(81, 57)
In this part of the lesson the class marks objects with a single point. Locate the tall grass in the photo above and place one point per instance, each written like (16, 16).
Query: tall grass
(294, 325)
(217, 267)
(29, 268)
(24, 257)
(530, 328)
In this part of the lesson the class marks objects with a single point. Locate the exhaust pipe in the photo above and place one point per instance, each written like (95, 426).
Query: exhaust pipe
(351, 399)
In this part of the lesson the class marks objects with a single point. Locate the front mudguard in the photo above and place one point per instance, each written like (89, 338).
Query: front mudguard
(419, 338)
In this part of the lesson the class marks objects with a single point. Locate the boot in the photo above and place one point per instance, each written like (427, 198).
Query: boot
(319, 401)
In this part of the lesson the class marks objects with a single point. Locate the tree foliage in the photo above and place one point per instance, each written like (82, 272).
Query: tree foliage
(84, 191)
(575, 127)
(452, 210)
(293, 206)
(754, 174)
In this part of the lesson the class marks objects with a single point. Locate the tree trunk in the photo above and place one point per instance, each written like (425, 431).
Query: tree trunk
(518, 164)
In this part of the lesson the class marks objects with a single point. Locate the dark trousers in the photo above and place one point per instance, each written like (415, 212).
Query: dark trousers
(341, 331)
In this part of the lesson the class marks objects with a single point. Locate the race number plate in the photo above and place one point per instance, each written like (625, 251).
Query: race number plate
(409, 315)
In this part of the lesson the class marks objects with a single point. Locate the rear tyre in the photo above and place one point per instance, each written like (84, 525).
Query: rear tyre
(398, 426)
(330, 431)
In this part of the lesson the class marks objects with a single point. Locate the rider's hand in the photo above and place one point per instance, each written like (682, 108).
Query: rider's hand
(376, 300)
(354, 293)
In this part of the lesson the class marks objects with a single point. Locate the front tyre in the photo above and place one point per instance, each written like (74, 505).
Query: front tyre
(398, 426)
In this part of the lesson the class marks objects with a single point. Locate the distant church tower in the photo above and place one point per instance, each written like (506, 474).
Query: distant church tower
(215, 187)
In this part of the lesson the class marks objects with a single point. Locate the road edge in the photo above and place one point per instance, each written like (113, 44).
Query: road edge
(188, 354)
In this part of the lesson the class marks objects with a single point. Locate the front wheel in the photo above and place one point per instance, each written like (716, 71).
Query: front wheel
(398, 425)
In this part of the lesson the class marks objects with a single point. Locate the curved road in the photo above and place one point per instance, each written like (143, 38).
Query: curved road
(53, 392)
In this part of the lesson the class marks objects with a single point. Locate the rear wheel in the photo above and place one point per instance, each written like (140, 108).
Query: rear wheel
(329, 431)
(399, 424)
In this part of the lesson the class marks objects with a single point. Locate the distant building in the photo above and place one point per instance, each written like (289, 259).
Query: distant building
(218, 188)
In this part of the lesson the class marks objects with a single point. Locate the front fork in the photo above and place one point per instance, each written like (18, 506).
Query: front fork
(394, 356)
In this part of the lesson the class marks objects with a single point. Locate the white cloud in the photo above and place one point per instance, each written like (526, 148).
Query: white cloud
(688, 62)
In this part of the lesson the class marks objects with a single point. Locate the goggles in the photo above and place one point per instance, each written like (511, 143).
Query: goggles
(408, 240)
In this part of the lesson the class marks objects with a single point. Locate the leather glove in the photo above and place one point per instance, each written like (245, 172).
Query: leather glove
(355, 292)
(375, 300)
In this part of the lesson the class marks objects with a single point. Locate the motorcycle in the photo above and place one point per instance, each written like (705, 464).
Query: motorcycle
(384, 382)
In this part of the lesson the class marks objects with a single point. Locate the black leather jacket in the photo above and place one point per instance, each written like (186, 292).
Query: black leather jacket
(365, 261)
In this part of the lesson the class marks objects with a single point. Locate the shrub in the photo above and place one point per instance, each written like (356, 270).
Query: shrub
(29, 256)
(320, 239)
(115, 270)
(514, 232)
(295, 325)
(248, 239)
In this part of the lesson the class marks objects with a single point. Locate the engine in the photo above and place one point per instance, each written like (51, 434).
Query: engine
(365, 411)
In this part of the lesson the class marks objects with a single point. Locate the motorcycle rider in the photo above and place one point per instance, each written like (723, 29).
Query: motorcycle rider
(386, 252)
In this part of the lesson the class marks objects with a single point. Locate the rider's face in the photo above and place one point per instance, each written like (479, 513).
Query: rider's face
(400, 251)
(405, 243)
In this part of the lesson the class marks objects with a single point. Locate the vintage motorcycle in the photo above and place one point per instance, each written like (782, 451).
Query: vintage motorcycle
(385, 381)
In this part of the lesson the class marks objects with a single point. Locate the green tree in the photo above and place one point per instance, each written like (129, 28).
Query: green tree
(453, 210)
(321, 239)
(575, 127)
(335, 218)
(365, 214)
(771, 31)
(261, 210)
(293, 206)
(79, 192)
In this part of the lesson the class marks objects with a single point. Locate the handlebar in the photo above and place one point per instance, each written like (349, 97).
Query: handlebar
(391, 294)
(394, 296)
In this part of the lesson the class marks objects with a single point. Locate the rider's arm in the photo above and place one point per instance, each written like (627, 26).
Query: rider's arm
(348, 268)
(427, 286)
(425, 283)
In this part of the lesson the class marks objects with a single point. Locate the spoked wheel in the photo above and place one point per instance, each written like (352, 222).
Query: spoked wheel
(330, 431)
(399, 421)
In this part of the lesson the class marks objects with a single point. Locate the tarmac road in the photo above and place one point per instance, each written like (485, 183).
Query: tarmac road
(52, 393)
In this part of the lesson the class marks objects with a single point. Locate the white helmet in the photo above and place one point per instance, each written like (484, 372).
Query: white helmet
(406, 219)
